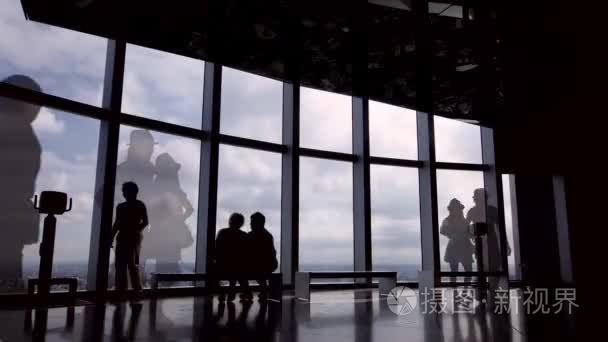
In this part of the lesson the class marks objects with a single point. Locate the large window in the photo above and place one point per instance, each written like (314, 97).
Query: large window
(49, 149)
(64, 63)
(249, 182)
(166, 169)
(395, 220)
(326, 215)
(325, 120)
(163, 86)
(251, 106)
(38, 153)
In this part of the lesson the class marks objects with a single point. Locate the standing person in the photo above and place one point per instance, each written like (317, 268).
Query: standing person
(459, 250)
(131, 219)
(137, 166)
(231, 243)
(263, 253)
(169, 209)
(489, 215)
(19, 166)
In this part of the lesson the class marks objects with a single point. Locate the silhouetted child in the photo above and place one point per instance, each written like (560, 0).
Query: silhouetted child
(131, 219)
(263, 254)
(230, 245)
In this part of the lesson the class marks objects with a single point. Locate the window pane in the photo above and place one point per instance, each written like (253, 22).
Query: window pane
(166, 169)
(64, 63)
(392, 131)
(250, 181)
(252, 106)
(43, 149)
(459, 185)
(325, 120)
(395, 205)
(457, 141)
(163, 86)
(326, 215)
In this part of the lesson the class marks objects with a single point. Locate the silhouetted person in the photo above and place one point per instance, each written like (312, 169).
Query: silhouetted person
(460, 249)
(230, 253)
(488, 214)
(118, 333)
(137, 166)
(131, 219)
(19, 165)
(263, 255)
(169, 208)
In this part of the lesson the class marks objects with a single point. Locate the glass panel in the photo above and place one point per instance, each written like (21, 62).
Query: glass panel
(455, 191)
(392, 131)
(166, 169)
(326, 215)
(325, 120)
(250, 181)
(252, 106)
(44, 150)
(457, 141)
(395, 208)
(64, 63)
(163, 86)
(514, 271)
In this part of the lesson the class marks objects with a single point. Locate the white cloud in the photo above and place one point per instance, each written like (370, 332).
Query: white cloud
(163, 86)
(65, 63)
(47, 122)
(325, 120)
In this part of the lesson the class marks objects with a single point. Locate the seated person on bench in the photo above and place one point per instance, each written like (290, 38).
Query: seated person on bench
(230, 250)
(263, 255)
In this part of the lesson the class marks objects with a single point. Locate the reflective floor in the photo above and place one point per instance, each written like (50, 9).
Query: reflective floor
(346, 315)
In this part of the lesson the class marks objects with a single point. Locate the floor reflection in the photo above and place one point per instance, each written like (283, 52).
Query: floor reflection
(333, 316)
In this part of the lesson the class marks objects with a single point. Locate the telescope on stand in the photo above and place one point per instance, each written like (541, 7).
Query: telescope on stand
(51, 203)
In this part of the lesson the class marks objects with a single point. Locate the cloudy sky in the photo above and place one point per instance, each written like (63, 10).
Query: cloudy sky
(169, 87)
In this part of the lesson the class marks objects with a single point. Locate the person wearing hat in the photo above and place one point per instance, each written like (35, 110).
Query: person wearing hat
(460, 248)
(137, 167)
(20, 154)
(170, 208)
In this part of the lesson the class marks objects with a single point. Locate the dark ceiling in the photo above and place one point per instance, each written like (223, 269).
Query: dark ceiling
(402, 52)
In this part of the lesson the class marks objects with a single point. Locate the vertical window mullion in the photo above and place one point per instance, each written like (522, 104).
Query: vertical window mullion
(290, 183)
(105, 178)
(361, 186)
(208, 177)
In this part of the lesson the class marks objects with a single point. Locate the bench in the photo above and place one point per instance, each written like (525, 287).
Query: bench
(388, 280)
(72, 284)
(275, 280)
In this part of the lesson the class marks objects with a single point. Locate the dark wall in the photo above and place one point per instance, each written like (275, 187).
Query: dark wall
(536, 222)
(557, 95)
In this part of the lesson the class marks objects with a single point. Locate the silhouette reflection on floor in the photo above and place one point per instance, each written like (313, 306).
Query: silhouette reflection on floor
(343, 315)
